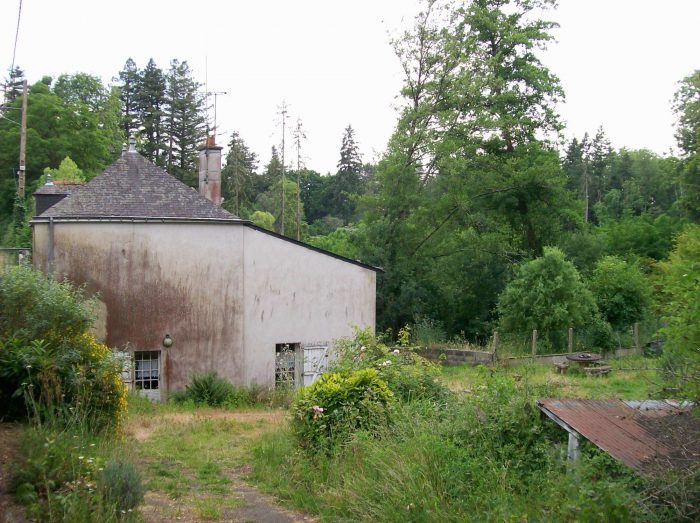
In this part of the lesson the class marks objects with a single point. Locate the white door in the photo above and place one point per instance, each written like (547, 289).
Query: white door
(315, 362)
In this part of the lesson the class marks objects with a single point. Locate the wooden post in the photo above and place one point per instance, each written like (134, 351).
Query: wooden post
(534, 343)
(571, 340)
(572, 448)
(635, 331)
(495, 346)
(23, 143)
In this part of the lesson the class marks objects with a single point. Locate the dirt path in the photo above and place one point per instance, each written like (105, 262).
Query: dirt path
(9, 511)
(244, 503)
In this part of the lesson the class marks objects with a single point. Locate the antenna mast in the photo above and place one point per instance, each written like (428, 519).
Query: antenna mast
(283, 112)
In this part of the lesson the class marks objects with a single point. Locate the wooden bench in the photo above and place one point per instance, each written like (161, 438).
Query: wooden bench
(598, 370)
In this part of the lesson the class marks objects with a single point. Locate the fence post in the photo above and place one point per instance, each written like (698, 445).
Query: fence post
(571, 340)
(534, 343)
(495, 346)
(635, 331)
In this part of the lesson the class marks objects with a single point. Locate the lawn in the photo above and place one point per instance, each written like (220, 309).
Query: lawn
(632, 377)
(193, 459)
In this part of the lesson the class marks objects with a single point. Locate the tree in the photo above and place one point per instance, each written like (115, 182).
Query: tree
(681, 285)
(150, 102)
(546, 294)
(13, 86)
(469, 179)
(621, 291)
(56, 128)
(271, 202)
(686, 105)
(183, 124)
(237, 175)
(347, 181)
(130, 80)
(67, 171)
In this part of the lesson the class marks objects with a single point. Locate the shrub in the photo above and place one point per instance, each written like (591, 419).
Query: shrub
(621, 291)
(50, 366)
(209, 389)
(121, 485)
(408, 375)
(547, 294)
(338, 405)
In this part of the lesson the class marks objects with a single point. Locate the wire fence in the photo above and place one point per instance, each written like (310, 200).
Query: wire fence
(643, 336)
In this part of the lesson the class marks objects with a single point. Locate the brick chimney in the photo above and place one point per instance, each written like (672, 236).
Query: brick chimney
(210, 170)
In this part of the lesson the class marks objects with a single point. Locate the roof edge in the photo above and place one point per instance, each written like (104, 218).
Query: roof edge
(219, 221)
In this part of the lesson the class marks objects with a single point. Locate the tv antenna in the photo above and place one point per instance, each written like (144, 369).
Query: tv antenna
(215, 94)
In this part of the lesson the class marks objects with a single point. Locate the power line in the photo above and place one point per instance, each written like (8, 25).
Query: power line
(14, 50)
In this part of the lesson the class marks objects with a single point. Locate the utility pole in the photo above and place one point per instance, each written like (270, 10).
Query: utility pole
(22, 143)
(283, 112)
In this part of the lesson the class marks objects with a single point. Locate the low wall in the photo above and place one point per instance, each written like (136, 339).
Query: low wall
(456, 356)
(551, 359)
(447, 356)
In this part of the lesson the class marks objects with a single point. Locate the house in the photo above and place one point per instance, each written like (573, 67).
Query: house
(187, 287)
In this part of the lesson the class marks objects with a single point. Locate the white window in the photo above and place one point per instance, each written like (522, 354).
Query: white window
(147, 370)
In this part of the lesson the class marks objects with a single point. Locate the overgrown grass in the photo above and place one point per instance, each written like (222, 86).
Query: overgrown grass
(491, 459)
(632, 377)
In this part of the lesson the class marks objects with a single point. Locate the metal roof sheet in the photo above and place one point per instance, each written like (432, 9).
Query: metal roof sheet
(644, 435)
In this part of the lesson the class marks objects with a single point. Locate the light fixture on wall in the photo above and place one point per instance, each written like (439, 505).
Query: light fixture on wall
(167, 341)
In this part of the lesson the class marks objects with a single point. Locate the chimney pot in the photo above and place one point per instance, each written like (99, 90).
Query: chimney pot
(132, 144)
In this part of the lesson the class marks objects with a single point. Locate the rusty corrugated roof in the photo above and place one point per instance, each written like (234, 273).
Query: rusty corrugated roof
(631, 431)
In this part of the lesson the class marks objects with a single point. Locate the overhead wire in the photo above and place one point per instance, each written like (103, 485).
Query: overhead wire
(14, 50)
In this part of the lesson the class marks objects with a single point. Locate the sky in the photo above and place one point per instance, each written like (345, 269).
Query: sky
(619, 62)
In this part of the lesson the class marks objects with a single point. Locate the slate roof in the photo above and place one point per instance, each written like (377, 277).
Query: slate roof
(60, 187)
(133, 187)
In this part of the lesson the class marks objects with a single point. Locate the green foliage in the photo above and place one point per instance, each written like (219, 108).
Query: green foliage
(488, 456)
(681, 288)
(67, 171)
(546, 294)
(337, 405)
(121, 485)
(208, 389)
(59, 477)
(263, 219)
(408, 375)
(339, 241)
(621, 291)
(237, 176)
(50, 366)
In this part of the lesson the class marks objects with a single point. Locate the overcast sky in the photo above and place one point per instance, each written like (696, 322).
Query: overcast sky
(619, 61)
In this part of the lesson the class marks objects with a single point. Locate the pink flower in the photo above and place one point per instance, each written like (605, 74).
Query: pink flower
(317, 409)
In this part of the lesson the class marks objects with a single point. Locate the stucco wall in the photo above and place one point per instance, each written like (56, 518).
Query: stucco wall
(225, 293)
(296, 295)
(181, 279)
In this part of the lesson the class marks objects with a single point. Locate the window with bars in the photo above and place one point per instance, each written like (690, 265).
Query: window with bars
(147, 370)
(285, 364)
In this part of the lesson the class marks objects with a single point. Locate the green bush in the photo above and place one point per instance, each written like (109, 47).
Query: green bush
(51, 368)
(546, 294)
(338, 405)
(408, 375)
(122, 486)
(209, 389)
(621, 291)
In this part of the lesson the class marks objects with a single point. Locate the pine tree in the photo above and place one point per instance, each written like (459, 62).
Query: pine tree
(129, 81)
(237, 176)
(348, 179)
(150, 104)
(13, 85)
(184, 123)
